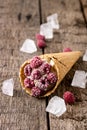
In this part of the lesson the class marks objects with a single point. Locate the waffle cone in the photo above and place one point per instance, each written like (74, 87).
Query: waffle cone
(63, 62)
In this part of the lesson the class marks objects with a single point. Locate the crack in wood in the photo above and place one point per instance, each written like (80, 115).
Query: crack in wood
(75, 119)
(43, 51)
(28, 17)
(83, 13)
(2, 66)
(40, 11)
(47, 115)
(19, 16)
(12, 51)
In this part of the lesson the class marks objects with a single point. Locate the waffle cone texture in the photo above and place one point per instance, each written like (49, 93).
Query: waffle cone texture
(63, 62)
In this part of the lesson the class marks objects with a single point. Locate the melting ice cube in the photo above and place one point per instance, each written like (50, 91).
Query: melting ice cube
(85, 56)
(56, 106)
(53, 20)
(79, 79)
(28, 46)
(7, 87)
(46, 30)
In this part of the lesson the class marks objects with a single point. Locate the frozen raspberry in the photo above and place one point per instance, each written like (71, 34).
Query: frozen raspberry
(35, 62)
(40, 85)
(36, 92)
(43, 84)
(46, 68)
(28, 83)
(67, 50)
(27, 70)
(36, 74)
(69, 97)
(41, 44)
(52, 78)
(40, 37)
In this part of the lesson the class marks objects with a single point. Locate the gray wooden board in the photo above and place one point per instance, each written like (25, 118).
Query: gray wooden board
(20, 112)
(69, 12)
(25, 12)
(84, 4)
(73, 37)
(73, 34)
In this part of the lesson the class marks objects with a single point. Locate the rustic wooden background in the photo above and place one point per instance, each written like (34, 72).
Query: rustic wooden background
(21, 19)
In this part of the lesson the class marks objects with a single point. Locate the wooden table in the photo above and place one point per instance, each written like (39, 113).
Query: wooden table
(20, 20)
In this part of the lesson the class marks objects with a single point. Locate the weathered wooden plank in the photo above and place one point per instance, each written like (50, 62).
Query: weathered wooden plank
(12, 39)
(69, 13)
(84, 4)
(76, 115)
(20, 111)
(73, 37)
(23, 113)
(72, 33)
(19, 12)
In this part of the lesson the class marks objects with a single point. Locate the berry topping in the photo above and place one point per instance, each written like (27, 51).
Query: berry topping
(28, 83)
(67, 50)
(35, 62)
(39, 76)
(40, 37)
(46, 68)
(36, 91)
(36, 74)
(52, 78)
(42, 84)
(27, 70)
(69, 97)
(41, 44)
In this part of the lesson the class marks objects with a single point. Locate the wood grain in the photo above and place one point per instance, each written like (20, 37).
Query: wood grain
(73, 34)
(20, 112)
(69, 12)
(19, 20)
(19, 12)
(84, 5)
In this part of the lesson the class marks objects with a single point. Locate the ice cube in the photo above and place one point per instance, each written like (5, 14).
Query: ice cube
(85, 56)
(7, 87)
(79, 79)
(86, 75)
(28, 46)
(46, 30)
(56, 106)
(53, 20)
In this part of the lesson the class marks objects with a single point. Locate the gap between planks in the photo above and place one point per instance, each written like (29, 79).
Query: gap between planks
(47, 114)
(83, 13)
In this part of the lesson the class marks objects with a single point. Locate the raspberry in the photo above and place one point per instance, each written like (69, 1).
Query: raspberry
(52, 78)
(27, 70)
(36, 74)
(69, 97)
(36, 91)
(40, 85)
(41, 44)
(35, 62)
(43, 84)
(40, 37)
(28, 83)
(67, 50)
(46, 68)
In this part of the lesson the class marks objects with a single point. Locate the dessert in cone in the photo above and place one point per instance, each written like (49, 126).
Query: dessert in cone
(63, 62)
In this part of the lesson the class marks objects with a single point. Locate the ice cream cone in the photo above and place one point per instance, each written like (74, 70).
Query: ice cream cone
(63, 62)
